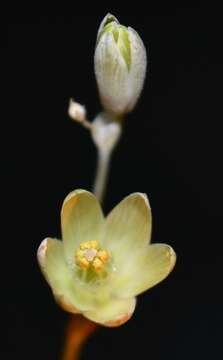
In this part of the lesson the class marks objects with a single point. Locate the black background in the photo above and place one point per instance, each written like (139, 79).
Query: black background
(170, 149)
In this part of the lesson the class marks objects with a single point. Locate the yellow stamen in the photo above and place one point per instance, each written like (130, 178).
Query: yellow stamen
(97, 264)
(103, 255)
(79, 253)
(91, 255)
(94, 244)
(89, 245)
(83, 262)
(85, 245)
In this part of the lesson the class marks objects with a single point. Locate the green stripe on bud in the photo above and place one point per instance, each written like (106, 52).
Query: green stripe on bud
(121, 38)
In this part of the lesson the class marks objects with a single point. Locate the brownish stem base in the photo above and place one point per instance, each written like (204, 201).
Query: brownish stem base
(77, 332)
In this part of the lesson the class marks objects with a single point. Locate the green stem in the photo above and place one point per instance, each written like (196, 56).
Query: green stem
(104, 157)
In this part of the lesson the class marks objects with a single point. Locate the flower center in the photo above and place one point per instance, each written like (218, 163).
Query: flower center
(90, 255)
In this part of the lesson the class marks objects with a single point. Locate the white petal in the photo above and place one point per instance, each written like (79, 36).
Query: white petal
(137, 69)
(111, 74)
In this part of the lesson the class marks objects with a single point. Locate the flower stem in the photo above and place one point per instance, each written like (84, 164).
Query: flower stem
(101, 176)
(77, 332)
(105, 134)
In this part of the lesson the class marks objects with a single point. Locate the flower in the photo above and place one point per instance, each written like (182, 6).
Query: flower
(120, 66)
(102, 264)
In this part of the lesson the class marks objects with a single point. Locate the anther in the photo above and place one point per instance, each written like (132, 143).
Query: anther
(90, 255)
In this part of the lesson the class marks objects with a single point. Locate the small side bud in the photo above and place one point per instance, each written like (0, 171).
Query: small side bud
(76, 111)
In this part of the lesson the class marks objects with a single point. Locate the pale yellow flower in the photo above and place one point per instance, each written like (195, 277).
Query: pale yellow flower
(103, 263)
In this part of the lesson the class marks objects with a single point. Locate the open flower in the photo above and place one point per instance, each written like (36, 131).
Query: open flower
(102, 264)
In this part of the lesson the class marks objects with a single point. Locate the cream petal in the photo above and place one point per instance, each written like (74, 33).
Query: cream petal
(148, 269)
(81, 220)
(115, 312)
(128, 228)
(66, 289)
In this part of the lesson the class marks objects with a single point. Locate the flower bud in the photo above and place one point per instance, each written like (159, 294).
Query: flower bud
(76, 111)
(120, 66)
